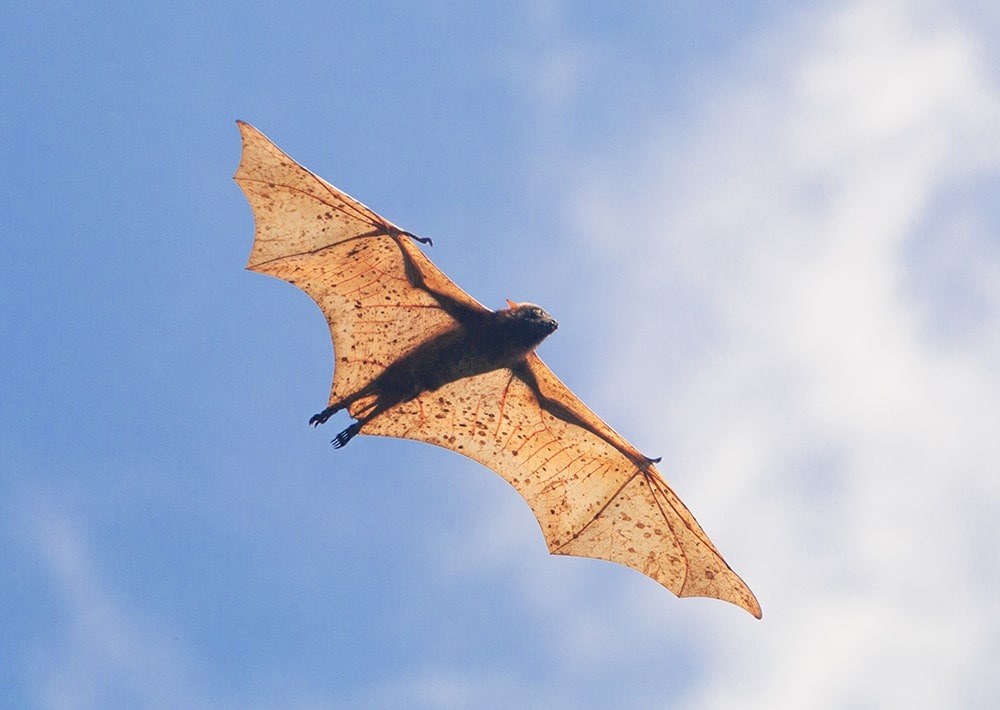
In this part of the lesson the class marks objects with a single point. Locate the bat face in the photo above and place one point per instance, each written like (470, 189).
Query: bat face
(418, 358)
(535, 320)
(517, 331)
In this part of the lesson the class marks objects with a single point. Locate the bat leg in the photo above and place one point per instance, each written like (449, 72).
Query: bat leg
(376, 408)
(322, 417)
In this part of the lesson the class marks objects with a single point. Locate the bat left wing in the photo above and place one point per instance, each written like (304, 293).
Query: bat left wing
(379, 292)
(593, 493)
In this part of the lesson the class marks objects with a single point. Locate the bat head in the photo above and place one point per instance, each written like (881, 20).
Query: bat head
(530, 324)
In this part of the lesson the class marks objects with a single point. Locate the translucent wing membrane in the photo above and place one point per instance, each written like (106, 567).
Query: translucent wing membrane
(593, 493)
(357, 266)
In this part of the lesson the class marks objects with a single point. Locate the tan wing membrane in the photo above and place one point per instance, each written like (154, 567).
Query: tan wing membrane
(591, 498)
(418, 358)
(357, 266)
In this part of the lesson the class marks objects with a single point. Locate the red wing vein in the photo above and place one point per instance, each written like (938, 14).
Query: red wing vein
(600, 512)
(529, 436)
(506, 445)
(573, 461)
(475, 413)
(601, 466)
(377, 321)
(383, 306)
(503, 403)
(318, 250)
(541, 448)
(341, 204)
(554, 455)
(561, 479)
(657, 486)
(359, 211)
(355, 277)
(667, 519)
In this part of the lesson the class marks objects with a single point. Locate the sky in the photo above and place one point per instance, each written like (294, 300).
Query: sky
(769, 233)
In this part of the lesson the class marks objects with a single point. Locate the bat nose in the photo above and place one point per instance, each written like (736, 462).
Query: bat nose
(552, 325)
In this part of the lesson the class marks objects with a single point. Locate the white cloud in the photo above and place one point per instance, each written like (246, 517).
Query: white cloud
(841, 452)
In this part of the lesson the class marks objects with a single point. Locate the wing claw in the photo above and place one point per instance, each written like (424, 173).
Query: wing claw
(422, 240)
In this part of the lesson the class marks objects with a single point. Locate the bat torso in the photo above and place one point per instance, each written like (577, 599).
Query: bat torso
(479, 342)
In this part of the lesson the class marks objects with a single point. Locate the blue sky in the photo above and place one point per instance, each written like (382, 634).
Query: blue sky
(769, 236)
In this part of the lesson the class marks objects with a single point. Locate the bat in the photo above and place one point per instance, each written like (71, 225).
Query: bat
(416, 357)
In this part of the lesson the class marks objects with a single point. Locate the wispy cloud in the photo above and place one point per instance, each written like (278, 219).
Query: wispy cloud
(106, 654)
(842, 451)
(804, 324)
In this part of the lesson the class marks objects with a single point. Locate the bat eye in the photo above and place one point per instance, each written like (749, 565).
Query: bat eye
(540, 316)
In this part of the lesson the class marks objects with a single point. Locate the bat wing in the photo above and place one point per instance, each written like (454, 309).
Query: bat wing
(380, 294)
(593, 493)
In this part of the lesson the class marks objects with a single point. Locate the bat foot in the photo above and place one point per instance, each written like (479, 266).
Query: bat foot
(340, 441)
(317, 419)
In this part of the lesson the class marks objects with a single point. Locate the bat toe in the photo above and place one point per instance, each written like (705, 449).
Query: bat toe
(340, 441)
(317, 419)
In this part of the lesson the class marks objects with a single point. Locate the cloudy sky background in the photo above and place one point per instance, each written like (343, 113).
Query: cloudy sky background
(771, 237)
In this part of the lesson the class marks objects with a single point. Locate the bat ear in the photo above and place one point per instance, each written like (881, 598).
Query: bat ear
(511, 304)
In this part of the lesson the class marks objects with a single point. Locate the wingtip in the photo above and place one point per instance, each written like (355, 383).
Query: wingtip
(748, 602)
(245, 128)
(741, 595)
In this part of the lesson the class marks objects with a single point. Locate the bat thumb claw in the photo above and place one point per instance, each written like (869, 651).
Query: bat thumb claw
(422, 240)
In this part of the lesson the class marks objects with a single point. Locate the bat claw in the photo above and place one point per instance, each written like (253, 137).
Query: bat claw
(317, 419)
(414, 237)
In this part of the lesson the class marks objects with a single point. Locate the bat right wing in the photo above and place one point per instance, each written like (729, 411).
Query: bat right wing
(593, 493)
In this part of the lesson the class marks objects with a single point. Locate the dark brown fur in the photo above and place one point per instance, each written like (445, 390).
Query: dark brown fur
(484, 341)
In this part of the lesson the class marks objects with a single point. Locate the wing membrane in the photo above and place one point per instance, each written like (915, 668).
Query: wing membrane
(593, 493)
(360, 268)
(592, 498)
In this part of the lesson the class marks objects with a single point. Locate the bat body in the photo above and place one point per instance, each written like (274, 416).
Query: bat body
(481, 341)
(417, 357)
